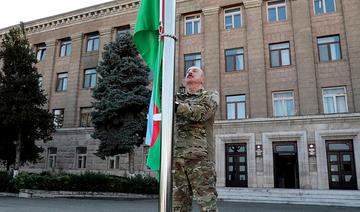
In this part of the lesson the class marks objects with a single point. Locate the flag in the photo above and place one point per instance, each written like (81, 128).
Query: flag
(146, 38)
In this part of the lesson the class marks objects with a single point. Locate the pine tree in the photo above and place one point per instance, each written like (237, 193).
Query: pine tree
(121, 98)
(23, 119)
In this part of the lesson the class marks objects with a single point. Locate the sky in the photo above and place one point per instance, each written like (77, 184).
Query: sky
(14, 11)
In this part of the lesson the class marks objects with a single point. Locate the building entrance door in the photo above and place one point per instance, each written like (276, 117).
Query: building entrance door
(236, 165)
(286, 169)
(341, 165)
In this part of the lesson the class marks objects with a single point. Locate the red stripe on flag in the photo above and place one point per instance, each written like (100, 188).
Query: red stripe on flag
(156, 128)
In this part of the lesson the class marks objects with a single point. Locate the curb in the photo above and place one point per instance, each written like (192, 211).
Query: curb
(29, 193)
(4, 194)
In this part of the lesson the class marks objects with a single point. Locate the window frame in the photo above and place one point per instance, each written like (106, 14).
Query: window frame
(277, 10)
(234, 56)
(41, 50)
(58, 118)
(283, 102)
(65, 43)
(334, 97)
(193, 61)
(122, 29)
(324, 7)
(328, 45)
(280, 55)
(61, 80)
(92, 37)
(52, 156)
(116, 164)
(81, 158)
(232, 14)
(88, 117)
(197, 17)
(90, 78)
(236, 106)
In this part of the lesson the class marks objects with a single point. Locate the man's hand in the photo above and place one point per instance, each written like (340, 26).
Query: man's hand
(176, 106)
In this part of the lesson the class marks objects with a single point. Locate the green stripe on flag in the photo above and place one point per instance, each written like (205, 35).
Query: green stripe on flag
(146, 38)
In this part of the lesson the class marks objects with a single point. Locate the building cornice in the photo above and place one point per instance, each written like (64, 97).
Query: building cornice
(80, 16)
(294, 119)
(252, 3)
(211, 10)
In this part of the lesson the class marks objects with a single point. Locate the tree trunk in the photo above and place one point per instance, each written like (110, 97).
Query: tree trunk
(17, 156)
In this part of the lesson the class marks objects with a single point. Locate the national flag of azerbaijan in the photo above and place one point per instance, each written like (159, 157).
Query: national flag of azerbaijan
(146, 38)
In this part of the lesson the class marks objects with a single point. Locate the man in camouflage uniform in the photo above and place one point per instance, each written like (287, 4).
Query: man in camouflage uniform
(194, 148)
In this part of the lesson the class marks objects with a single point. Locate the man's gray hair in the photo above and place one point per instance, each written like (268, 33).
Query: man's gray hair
(195, 67)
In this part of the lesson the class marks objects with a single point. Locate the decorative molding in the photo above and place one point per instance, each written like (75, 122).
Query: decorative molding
(211, 11)
(252, 3)
(292, 119)
(221, 141)
(79, 16)
(321, 158)
(77, 37)
(105, 31)
(50, 43)
(303, 161)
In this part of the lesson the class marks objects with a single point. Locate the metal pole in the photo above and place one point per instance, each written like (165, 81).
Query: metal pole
(167, 106)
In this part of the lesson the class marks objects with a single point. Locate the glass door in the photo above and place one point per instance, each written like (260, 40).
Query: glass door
(341, 165)
(236, 165)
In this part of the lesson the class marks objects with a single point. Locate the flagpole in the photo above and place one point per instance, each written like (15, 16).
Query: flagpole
(167, 102)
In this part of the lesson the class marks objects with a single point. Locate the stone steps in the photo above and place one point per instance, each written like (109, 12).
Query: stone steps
(291, 196)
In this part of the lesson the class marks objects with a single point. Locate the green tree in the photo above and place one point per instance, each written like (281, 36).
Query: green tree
(23, 119)
(121, 98)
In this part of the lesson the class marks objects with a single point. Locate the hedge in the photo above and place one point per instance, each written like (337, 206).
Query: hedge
(86, 182)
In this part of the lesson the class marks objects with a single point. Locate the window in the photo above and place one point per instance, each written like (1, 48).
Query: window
(93, 42)
(58, 117)
(234, 59)
(192, 25)
(232, 18)
(52, 151)
(329, 48)
(85, 117)
(283, 103)
(122, 30)
(280, 54)
(324, 6)
(81, 157)
(335, 100)
(41, 52)
(192, 60)
(235, 107)
(40, 82)
(65, 47)
(114, 162)
(276, 11)
(89, 78)
(62, 82)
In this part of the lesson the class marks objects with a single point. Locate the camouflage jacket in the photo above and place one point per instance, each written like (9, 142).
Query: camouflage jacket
(194, 125)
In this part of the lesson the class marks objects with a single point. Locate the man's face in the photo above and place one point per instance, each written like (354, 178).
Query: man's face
(194, 75)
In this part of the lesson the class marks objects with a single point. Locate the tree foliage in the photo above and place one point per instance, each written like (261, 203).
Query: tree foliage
(121, 98)
(22, 114)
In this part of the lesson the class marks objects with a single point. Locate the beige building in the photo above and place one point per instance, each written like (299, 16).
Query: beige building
(288, 72)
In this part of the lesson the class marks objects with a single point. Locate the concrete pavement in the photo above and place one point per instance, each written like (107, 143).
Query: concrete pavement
(10, 204)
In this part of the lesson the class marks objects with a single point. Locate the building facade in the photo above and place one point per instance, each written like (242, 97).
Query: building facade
(288, 72)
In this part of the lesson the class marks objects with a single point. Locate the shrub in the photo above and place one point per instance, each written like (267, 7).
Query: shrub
(87, 182)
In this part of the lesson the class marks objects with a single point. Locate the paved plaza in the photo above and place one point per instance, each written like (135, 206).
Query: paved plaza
(10, 204)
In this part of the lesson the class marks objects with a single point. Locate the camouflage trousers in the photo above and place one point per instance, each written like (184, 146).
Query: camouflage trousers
(194, 178)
